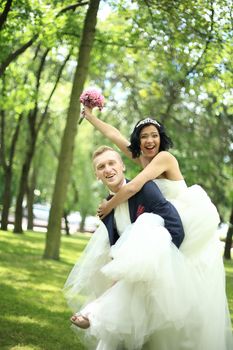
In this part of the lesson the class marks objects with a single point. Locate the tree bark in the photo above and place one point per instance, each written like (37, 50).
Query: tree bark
(3, 15)
(65, 216)
(7, 168)
(53, 237)
(6, 198)
(23, 188)
(228, 244)
(82, 223)
(30, 198)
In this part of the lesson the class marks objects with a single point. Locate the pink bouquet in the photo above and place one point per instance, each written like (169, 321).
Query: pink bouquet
(92, 98)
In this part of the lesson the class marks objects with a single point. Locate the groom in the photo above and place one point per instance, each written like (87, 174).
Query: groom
(109, 168)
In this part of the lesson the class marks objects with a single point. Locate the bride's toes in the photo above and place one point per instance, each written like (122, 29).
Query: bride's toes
(80, 321)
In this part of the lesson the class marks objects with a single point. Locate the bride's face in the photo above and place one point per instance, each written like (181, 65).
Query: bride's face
(149, 141)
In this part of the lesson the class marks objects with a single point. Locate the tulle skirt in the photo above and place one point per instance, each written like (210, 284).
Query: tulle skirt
(144, 293)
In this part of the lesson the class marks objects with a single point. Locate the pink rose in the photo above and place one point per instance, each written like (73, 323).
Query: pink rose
(92, 98)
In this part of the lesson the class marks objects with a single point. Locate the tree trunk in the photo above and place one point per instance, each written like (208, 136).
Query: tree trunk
(53, 237)
(7, 164)
(30, 199)
(23, 189)
(82, 223)
(6, 200)
(228, 244)
(66, 223)
(3, 15)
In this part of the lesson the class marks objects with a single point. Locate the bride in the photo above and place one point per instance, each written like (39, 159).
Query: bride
(148, 147)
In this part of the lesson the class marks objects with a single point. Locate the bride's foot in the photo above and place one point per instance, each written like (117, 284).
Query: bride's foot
(80, 321)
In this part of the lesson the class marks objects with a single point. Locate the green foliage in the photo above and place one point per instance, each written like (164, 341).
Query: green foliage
(168, 59)
(23, 18)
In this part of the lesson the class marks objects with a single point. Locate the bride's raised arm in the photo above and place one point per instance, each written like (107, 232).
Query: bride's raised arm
(110, 132)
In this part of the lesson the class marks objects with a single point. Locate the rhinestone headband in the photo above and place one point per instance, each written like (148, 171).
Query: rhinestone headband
(147, 121)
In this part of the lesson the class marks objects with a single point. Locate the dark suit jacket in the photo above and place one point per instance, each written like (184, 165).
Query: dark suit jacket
(149, 200)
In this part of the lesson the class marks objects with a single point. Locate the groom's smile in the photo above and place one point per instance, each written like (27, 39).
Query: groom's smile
(109, 168)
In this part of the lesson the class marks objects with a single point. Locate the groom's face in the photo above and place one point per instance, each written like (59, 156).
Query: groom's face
(109, 168)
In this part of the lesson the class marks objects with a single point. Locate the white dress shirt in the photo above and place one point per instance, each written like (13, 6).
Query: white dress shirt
(121, 215)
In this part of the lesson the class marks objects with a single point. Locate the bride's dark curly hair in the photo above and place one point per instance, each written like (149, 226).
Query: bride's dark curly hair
(134, 147)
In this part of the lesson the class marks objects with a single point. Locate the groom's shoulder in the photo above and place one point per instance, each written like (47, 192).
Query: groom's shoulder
(148, 189)
(150, 186)
(151, 192)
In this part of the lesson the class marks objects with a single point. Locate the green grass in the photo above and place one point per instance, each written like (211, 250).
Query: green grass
(33, 312)
(229, 285)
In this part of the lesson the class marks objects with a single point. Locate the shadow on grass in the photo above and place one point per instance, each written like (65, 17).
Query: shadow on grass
(34, 314)
(33, 244)
(24, 321)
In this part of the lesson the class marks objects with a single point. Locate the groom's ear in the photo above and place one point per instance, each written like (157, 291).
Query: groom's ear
(97, 177)
(94, 170)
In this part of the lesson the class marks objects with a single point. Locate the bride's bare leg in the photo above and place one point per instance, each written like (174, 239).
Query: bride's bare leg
(81, 318)
(80, 321)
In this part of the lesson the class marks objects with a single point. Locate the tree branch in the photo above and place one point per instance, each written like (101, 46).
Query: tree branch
(15, 54)
(112, 43)
(33, 113)
(2, 142)
(71, 7)
(53, 90)
(3, 15)
(14, 140)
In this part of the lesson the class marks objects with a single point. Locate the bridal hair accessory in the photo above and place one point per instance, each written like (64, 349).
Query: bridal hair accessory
(147, 121)
(92, 98)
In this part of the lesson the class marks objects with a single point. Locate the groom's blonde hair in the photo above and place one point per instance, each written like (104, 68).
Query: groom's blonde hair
(100, 150)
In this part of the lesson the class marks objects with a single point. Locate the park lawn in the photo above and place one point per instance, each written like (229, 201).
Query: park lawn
(33, 312)
(229, 285)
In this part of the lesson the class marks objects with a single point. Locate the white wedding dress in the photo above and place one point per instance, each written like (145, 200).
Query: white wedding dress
(144, 293)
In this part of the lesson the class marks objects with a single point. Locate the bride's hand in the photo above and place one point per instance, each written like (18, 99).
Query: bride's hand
(87, 112)
(104, 209)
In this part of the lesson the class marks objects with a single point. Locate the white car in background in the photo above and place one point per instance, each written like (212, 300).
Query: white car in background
(222, 230)
(91, 223)
(41, 211)
(41, 216)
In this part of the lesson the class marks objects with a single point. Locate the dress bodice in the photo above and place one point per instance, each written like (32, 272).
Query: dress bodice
(171, 189)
